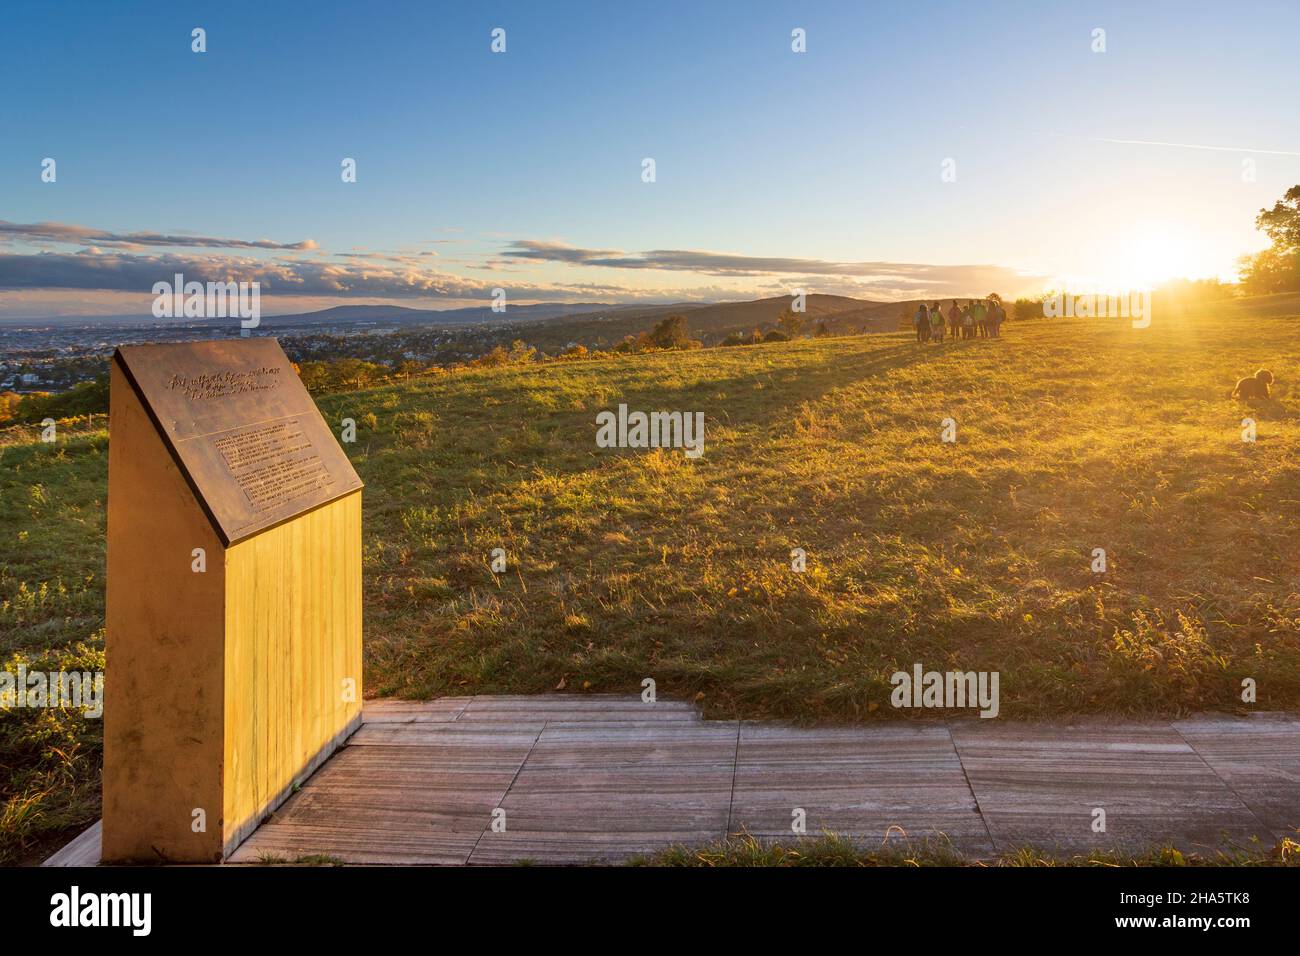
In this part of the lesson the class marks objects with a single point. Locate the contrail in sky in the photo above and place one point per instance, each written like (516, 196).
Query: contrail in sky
(1222, 149)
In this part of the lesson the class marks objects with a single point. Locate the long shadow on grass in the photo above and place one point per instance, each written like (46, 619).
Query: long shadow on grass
(1268, 410)
(781, 398)
(474, 458)
(454, 470)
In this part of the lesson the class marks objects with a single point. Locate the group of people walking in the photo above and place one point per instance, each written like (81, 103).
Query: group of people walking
(978, 317)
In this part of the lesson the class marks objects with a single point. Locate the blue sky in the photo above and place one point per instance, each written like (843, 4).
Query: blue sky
(774, 170)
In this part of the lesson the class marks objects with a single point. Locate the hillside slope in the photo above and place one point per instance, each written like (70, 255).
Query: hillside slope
(628, 564)
(712, 323)
(631, 564)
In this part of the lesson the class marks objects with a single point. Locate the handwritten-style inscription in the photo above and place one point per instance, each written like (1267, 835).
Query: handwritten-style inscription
(220, 384)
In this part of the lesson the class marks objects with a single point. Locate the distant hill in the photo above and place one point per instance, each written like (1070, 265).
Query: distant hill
(466, 316)
(608, 323)
(726, 317)
(385, 314)
(704, 317)
(554, 323)
(713, 322)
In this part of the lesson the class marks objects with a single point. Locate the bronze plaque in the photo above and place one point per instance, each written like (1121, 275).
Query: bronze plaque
(243, 429)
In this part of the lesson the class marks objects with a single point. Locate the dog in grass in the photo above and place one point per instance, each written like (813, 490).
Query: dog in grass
(1254, 386)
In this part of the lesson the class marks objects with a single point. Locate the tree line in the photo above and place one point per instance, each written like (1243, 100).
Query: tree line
(1277, 268)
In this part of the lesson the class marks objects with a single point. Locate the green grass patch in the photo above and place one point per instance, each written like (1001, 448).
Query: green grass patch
(627, 564)
(835, 850)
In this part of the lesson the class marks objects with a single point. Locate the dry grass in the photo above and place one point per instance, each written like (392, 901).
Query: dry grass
(1072, 435)
(633, 564)
(835, 850)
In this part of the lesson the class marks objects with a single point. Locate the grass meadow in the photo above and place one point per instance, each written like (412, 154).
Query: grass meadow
(833, 850)
(1072, 435)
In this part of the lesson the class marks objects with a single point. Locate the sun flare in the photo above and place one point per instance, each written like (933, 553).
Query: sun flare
(1150, 254)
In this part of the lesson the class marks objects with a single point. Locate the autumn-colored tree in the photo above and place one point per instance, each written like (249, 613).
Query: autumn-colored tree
(498, 356)
(1027, 309)
(84, 398)
(8, 403)
(1282, 223)
(789, 322)
(669, 333)
(1277, 268)
(521, 352)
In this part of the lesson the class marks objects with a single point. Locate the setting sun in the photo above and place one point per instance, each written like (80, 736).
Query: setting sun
(1152, 253)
